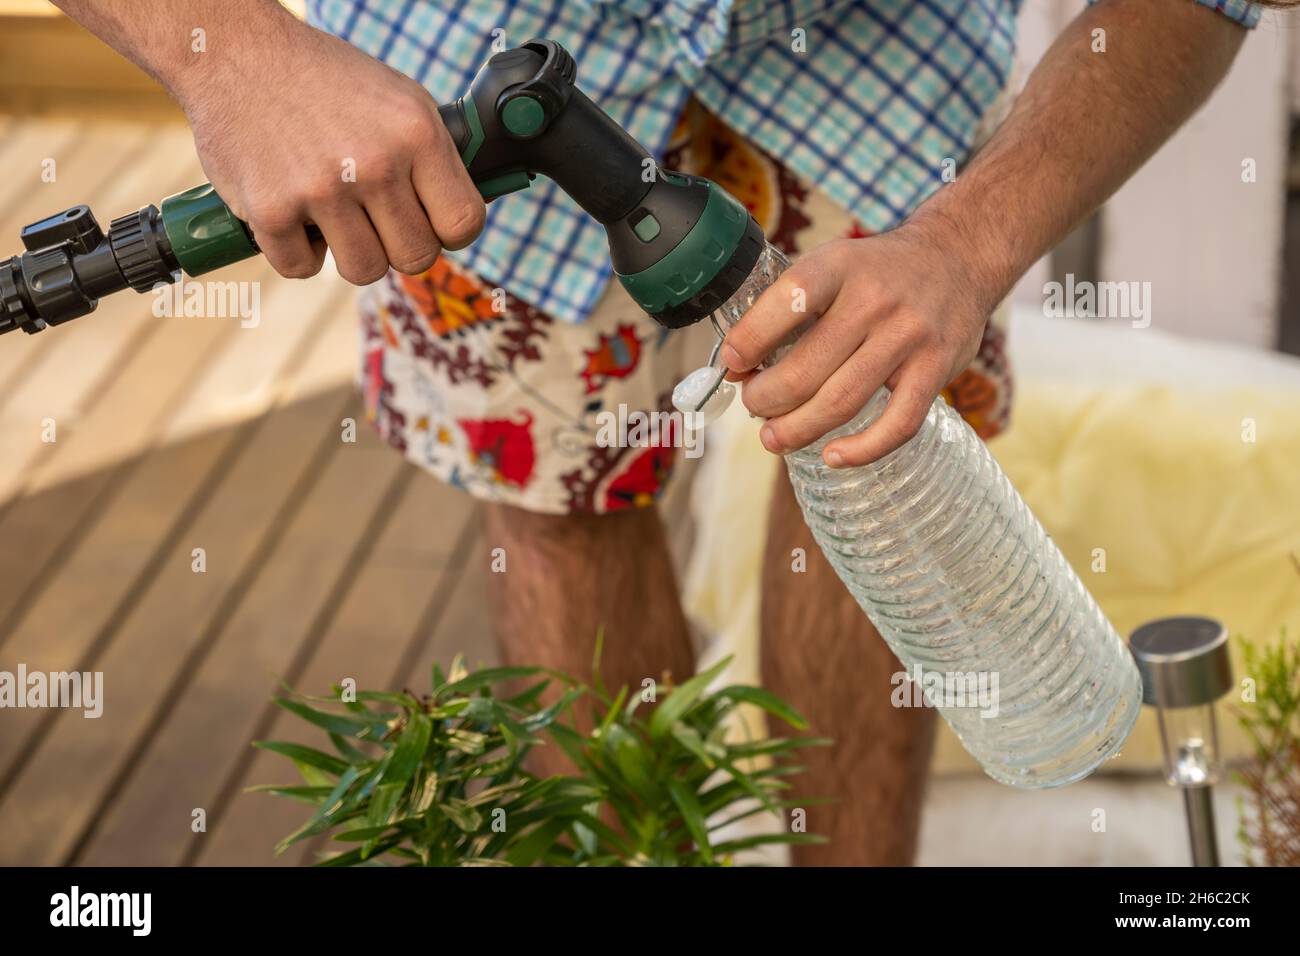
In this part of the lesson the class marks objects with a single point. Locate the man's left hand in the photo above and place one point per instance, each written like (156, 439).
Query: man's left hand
(897, 310)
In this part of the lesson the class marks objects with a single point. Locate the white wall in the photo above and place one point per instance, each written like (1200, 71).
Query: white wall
(1039, 24)
(1208, 243)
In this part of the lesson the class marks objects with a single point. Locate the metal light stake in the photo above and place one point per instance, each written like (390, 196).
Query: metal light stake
(1185, 668)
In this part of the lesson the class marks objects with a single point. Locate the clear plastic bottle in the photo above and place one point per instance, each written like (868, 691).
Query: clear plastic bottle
(962, 581)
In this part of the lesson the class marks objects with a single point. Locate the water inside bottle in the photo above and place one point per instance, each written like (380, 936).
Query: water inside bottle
(962, 581)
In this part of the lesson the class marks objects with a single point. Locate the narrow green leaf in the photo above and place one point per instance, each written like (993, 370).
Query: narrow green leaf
(313, 776)
(748, 784)
(611, 713)
(327, 814)
(672, 708)
(360, 835)
(542, 719)
(572, 743)
(355, 857)
(634, 701)
(528, 699)
(425, 794)
(493, 795)
(690, 739)
(383, 802)
(487, 677)
(457, 670)
(693, 816)
(613, 839)
(347, 750)
(299, 753)
(732, 846)
(632, 761)
(342, 724)
(532, 847)
(312, 795)
(775, 745)
(466, 741)
(597, 654)
(756, 808)
(465, 817)
(410, 749)
(390, 697)
(767, 701)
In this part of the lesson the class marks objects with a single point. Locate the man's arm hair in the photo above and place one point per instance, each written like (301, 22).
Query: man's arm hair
(159, 35)
(279, 110)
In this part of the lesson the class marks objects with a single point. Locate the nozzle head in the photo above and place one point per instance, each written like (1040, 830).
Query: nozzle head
(686, 248)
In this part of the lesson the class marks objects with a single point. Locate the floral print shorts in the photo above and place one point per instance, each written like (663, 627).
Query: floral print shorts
(497, 398)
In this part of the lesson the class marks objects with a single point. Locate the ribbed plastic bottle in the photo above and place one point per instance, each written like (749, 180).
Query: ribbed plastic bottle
(962, 581)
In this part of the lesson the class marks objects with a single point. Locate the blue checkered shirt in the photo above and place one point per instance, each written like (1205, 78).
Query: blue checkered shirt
(865, 98)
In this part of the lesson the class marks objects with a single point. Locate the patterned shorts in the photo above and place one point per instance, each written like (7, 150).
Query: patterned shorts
(497, 398)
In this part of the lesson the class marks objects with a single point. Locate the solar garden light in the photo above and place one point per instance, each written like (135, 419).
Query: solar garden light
(1185, 668)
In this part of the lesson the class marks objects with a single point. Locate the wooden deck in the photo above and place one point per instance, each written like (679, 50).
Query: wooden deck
(324, 559)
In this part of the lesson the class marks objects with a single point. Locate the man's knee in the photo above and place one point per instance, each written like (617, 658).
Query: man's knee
(584, 531)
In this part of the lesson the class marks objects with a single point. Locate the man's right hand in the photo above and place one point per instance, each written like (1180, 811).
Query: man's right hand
(294, 126)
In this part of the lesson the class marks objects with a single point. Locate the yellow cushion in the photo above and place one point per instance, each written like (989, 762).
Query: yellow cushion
(1190, 511)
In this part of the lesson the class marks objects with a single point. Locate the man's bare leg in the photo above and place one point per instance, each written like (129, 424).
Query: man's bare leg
(567, 577)
(823, 656)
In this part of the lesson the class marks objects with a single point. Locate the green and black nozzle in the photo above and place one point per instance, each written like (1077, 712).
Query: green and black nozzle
(679, 244)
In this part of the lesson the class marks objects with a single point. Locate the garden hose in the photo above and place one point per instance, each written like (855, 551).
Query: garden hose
(681, 245)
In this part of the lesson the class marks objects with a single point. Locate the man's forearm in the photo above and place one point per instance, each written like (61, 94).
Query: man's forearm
(1085, 122)
(159, 35)
(298, 128)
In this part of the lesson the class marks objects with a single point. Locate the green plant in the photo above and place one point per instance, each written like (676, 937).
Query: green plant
(1270, 815)
(441, 780)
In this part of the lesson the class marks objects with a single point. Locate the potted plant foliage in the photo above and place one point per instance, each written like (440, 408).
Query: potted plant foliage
(442, 779)
(1270, 813)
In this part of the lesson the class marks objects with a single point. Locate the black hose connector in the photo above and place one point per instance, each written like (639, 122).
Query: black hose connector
(70, 263)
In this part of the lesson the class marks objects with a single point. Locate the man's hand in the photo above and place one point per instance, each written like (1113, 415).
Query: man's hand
(896, 310)
(294, 126)
(906, 308)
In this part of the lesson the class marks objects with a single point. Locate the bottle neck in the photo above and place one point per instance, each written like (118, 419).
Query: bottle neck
(771, 263)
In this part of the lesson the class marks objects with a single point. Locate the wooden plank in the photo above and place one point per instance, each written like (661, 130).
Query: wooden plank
(217, 706)
(372, 631)
(454, 622)
(119, 179)
(88, 156)
(121, 171)
(464, 627)
(21, 153)
(65, 370)
(102, 449)
(135, 565)
(98, 452)
(160, 160)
